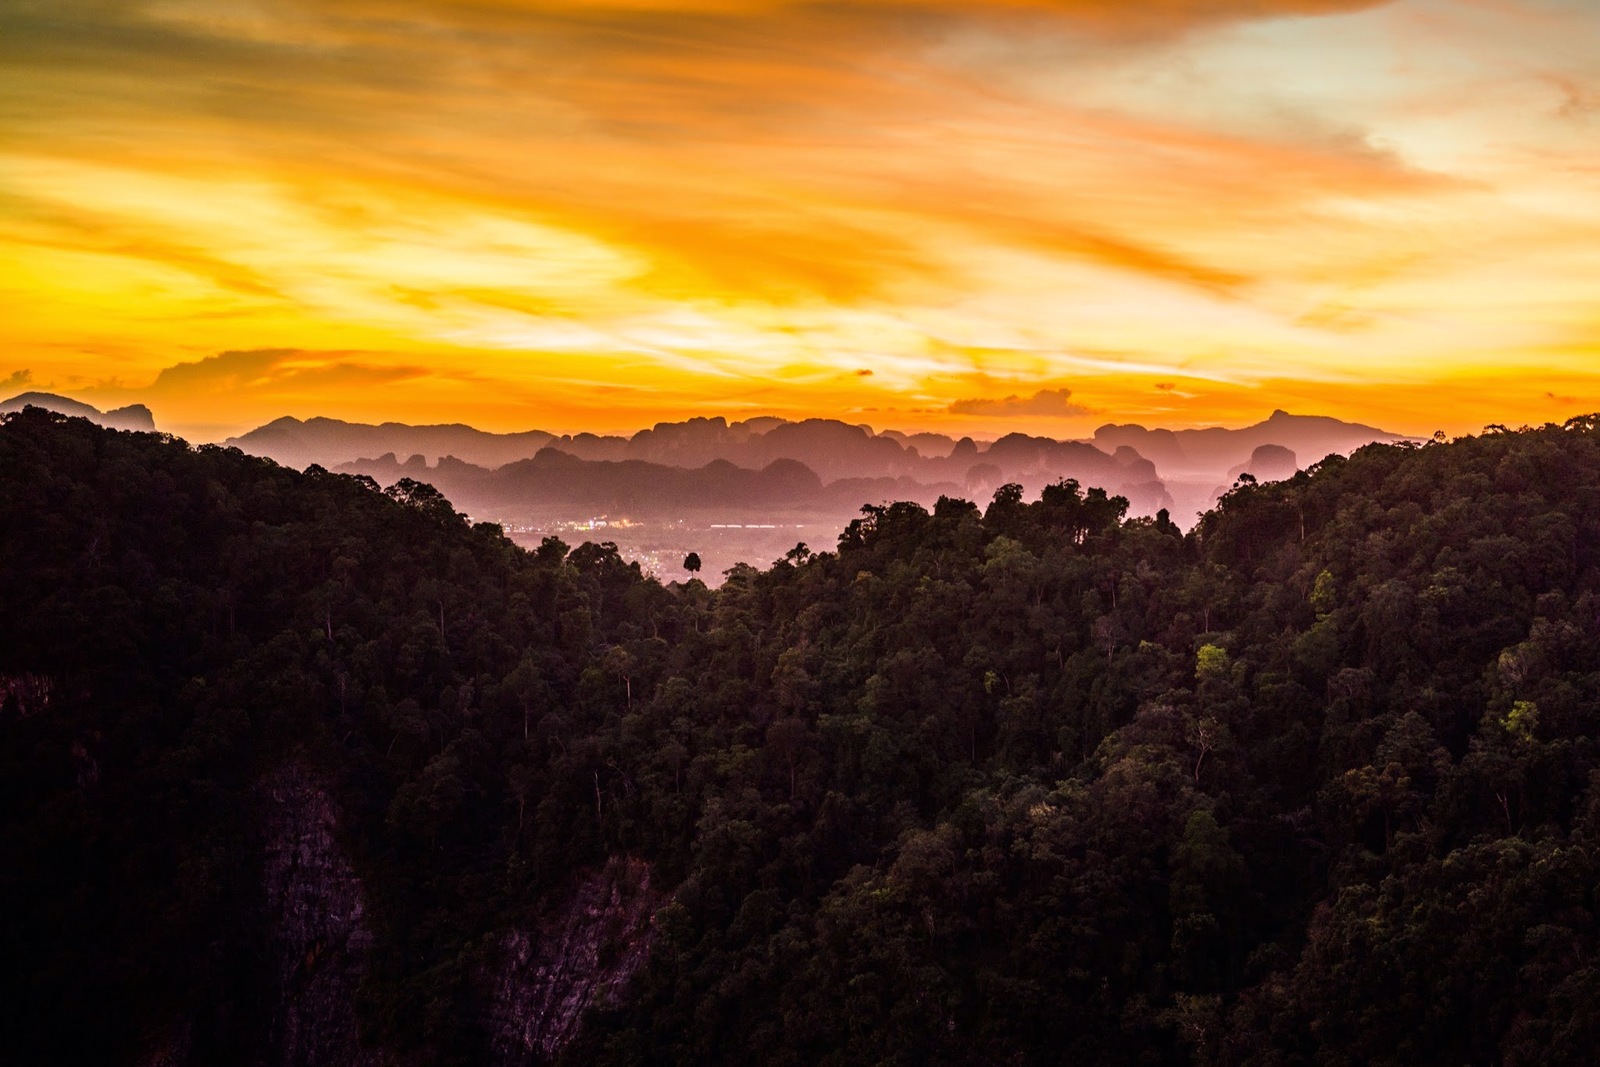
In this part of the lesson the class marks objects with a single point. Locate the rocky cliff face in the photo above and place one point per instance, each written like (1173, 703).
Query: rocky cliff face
(25, 694)
(583, 954)
(536, 982)
(319, 938)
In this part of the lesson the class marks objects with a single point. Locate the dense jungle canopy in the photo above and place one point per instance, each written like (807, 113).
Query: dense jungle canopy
(1026, 783)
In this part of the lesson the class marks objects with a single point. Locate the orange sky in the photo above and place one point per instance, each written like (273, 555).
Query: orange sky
(1036, 215)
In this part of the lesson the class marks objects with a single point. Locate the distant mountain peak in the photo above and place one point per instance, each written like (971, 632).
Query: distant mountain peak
(331, 442)
(1154, 468)
(135, 417)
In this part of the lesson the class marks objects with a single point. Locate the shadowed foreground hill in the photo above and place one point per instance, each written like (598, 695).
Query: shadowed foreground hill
(300, 771)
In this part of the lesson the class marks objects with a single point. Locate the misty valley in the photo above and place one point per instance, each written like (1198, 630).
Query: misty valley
(750, 491)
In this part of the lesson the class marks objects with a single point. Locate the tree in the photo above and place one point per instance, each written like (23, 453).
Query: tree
(691, 563)
(424, 497)
(1211, 662)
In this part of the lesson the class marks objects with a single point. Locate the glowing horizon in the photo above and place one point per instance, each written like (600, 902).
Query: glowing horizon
(1037, 215)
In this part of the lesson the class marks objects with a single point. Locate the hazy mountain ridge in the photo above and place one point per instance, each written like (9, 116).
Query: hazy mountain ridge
(673, 466)
(853, 465)
(329, 442)
(135, 417)
(834, 449)
(556, 481)
(1187, 453)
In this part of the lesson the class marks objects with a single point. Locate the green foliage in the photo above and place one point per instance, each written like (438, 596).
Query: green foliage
(1521, 720)
(1324, 594)
(1211, 663)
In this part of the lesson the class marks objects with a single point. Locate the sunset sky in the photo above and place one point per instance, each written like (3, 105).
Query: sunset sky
(1037, 215)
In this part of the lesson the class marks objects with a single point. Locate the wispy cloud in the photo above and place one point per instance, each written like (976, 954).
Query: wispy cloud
(677, 130)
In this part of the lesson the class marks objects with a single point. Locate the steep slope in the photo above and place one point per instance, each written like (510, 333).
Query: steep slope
(582, 956)
(319, 940)
(199, 625)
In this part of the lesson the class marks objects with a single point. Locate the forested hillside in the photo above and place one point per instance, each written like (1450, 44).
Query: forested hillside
(1026, 783)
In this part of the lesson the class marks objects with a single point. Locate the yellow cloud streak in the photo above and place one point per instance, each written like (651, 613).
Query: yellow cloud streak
(595, 208)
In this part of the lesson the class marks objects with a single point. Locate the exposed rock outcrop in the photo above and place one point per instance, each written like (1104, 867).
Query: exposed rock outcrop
(26, 694)
(582, 955)
(538, 981)
(1268, 463)
(319, 940)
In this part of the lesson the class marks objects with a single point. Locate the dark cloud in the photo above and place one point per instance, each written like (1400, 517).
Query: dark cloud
(278, 370)
(1046, 403)
(232, 369)
(17, 379)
